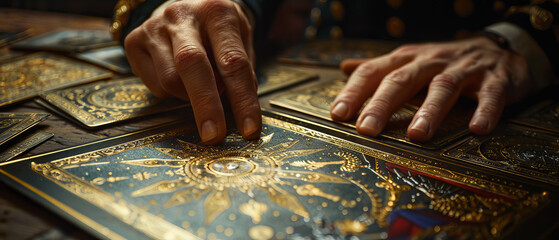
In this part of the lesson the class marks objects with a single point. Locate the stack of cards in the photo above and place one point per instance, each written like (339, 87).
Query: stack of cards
(316, 101)
(99, 104)
(513, 149)
(13, 125)
(26, 77)
(332, 52)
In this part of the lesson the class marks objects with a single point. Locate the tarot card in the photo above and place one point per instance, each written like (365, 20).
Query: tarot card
(274, 78)
(544, 116)
(296, 180)
(67, 41)
(13, 124)
(515, 150)
(112, 58)
(24, 145)
(26, 77)
(99, 104)
(332, 52)
(56, 111)
(316, 101)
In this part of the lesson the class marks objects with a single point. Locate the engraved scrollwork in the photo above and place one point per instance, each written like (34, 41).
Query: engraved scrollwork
(350, 163)
(311, 190)
(87, 157)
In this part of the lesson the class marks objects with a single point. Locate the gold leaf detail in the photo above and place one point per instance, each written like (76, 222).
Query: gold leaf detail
(215, 203)
(254, 210)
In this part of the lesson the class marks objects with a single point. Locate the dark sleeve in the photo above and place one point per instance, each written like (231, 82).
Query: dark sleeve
(540, 20)
(264, 12)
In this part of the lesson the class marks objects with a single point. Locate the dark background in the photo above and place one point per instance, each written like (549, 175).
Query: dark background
(98, 8)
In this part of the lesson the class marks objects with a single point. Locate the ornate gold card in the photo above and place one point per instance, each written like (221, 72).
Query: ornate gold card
(333, 52)
(30, 75)
(276, 77)
(516, 150)
(13, 124)
(316, 101)
(544, 115)
(98, 104)
(24, 145)
(68, 40)
(295, 181)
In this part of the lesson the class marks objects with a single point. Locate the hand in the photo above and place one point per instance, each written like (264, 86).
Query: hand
(475, 67)
(195, 50)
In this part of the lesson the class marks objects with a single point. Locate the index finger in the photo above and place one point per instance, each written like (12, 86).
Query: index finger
(234, 67)
(195, 70)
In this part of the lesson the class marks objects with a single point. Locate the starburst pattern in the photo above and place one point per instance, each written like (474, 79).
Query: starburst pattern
(216, 171)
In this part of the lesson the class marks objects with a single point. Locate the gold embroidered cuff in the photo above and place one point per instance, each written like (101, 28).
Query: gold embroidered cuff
(121, 16)
(540, 18)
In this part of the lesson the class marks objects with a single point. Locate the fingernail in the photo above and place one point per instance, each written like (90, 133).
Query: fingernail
(421, 125)
(369, 126)
(209, 131)
(481, 123)
(249, 126)
(340, 110)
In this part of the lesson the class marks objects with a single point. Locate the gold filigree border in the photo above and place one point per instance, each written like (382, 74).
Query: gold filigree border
(81, 114)
(126, 212)
(88, 221)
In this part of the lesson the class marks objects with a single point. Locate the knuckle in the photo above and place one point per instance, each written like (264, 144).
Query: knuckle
(175, 12)
(367, 69)
(406, 49)
(217, 8)
(233, 62)
(488, 108)
(378, 105)
(446, 81)
(429, 110)
(398, 78)
(438, 53)
(492, 90)
(132, 41)
(188, 54)
(202, 99)
(151, 26)
(470, 62)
